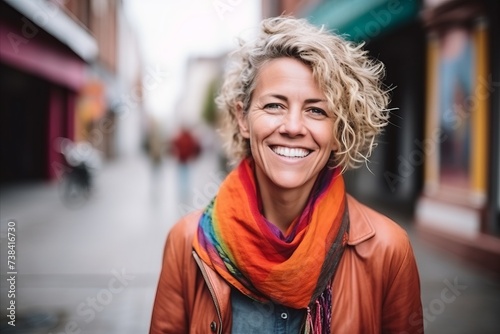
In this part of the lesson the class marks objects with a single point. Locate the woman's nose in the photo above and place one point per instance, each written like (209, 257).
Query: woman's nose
(292, 124)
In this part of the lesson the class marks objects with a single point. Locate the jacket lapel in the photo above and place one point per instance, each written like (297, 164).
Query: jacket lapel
(360, 227)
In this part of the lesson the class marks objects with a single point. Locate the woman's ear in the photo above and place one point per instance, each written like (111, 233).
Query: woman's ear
(335, 142)
(242, 120)
(335, 146)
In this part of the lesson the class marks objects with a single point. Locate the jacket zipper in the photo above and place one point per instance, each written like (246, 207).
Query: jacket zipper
(210, 288)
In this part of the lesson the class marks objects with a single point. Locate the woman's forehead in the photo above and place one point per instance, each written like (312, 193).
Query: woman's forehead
(287, 75)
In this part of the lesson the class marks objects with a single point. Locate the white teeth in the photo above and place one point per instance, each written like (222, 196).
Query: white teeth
(290, 152)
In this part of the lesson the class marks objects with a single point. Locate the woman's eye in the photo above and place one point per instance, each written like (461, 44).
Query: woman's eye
(272, 106)
(317, 111)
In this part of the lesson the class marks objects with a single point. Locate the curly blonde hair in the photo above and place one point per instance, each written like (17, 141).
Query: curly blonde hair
(350, 80)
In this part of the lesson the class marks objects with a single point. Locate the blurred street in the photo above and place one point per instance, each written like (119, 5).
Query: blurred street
(95, 268)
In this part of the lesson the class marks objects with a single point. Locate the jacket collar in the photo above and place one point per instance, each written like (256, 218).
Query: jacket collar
(360, 227)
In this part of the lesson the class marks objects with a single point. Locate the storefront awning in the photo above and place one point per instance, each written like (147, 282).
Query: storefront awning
(363, 19)
(53, 20)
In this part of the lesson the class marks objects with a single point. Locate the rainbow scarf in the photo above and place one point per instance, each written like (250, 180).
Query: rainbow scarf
(255, 257)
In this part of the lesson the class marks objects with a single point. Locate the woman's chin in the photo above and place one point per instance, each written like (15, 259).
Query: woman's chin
(289, 180)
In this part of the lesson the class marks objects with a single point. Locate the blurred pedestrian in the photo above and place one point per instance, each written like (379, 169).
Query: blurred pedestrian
(282, 247)
(185, 147)
(155, 153)
(82, 161)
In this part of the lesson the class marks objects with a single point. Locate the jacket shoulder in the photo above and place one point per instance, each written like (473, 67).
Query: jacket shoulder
(368, 224)
(186, 227)
(179, 283)
(180, 238)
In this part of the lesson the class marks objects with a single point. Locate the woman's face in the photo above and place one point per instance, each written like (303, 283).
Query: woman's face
(290, 132)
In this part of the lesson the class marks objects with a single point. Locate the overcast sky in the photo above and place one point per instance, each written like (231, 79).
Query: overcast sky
(169, 31)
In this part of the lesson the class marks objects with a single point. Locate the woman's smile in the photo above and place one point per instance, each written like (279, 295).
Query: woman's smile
(290, 152)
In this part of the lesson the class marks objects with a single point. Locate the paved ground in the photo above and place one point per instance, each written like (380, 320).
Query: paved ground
(93, 269)
(456, 298)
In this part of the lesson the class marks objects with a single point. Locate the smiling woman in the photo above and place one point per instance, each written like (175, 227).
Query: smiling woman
(282, 248)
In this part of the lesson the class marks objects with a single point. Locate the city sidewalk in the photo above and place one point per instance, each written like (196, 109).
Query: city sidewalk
(456, 298)
(94, 269)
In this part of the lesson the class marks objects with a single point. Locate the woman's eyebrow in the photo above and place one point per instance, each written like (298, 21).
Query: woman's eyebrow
(277, 96)
(307, 101)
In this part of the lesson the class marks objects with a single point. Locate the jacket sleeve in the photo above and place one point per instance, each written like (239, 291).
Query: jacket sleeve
(169, 315)
(402, 306)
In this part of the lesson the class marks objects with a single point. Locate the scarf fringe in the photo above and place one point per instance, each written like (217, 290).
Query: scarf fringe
(319, 315)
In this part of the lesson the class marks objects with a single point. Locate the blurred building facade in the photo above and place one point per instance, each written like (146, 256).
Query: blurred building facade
(459, 207)
(202, 73)
(69, 69)
(439, 157)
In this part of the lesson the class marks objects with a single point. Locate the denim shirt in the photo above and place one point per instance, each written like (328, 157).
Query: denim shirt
(250, 316)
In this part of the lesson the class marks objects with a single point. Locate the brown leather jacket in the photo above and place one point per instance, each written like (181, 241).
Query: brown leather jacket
(376, 288)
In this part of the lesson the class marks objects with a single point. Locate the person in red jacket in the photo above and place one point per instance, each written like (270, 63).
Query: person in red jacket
(282, 247)
(185, 147)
